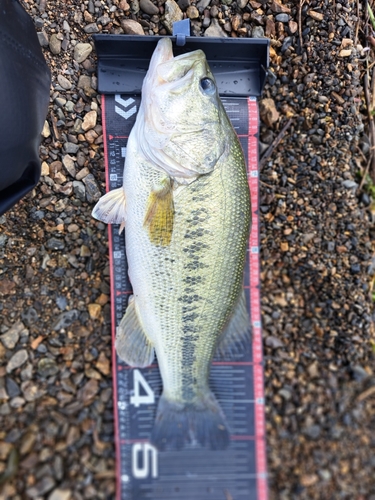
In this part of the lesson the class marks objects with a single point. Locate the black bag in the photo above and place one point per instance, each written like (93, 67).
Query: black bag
(24, 95)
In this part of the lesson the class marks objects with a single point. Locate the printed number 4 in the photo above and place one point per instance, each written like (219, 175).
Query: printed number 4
(147, 397)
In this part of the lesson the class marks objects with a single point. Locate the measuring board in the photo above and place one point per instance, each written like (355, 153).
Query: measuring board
(239, 472)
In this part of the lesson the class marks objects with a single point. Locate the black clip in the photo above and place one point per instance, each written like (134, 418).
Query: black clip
(181, 29)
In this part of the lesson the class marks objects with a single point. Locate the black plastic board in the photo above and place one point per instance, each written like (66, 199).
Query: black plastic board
(238, 64)
(238, 473)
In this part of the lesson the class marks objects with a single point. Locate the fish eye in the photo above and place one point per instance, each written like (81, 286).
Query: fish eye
(208, 86)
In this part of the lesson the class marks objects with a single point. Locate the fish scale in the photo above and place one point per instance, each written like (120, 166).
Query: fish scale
(144, 473)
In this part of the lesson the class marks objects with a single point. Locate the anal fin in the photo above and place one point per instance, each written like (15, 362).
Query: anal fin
(237, 333)
(132, 344)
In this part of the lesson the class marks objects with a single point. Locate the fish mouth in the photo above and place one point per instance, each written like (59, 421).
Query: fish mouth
(166, 68)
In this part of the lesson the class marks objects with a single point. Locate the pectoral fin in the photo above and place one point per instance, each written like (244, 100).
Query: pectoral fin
(160, 214)
(237, 332)
(111, 207)
(132, 344)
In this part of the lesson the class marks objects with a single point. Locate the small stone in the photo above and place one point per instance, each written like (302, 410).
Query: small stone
(11, 337)
(203, 4)
(91, 373)
(47, 367)
(288, 42)
(84, 82)
(313, 370)
(55, 244)
(17, 402)
(91, 136)
(206, 22)
(81, 159)
(277, 6)
(45, 168)
(17, 360)
(68, 163)
(60, 101)
(59, 494)
(104, 20)
(55, 44)
(131, 27)
(31, 391)
(273, 342)
(359, 373)
(89, 120)
(173, 14)
(270, 30)
(3, 393)
(313, 431)
(214, 11)
(61, 302)
(325, 474)
(46, 132)
(236, 22)
(285, 394)
(317, 16)
(242, 3)
(65, 319)
(268, 112)
(92, 190)
(134, 6)
(91, 28)
(12, 388)
(346, 42)
(183, 4)
(103, 364)
(284, 246)
(94, 311)
(192, 12)
(84, 251)
(309, 480)
(215, 30)
(148, 7)
(345, 53)
(71, 148)
(5, 449)
(66, 26)
(88, 391)
(348, 184)
(27, 442)
(79, 190)
(43, 39)
(293, 27)
(123, 5)
(30, 316)
(282, 18)
(257, 32)
(64, 82)
(82, 51)
(102, 299)
(41, 487)
(82, 173)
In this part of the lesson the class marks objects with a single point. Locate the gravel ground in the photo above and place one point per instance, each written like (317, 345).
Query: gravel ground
(56, 432)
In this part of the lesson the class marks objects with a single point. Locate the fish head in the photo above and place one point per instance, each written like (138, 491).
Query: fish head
(185, 125)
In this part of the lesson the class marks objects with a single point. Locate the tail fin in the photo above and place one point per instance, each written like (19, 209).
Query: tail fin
(177, 424)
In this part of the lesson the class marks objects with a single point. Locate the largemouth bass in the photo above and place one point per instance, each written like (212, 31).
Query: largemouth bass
(185, 205)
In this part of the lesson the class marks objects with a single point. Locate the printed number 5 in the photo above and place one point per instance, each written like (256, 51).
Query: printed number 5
(144, 460)
(148, 396)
